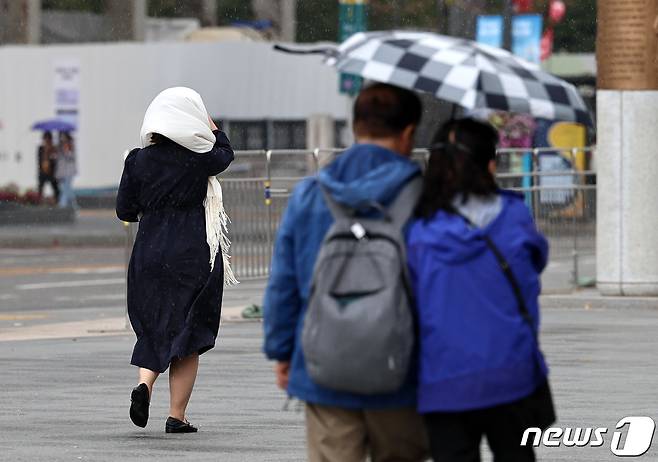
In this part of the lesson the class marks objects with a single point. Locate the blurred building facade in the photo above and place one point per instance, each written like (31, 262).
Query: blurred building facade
(262, 97)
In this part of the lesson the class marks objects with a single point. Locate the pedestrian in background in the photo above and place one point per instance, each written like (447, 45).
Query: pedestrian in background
(66, 170)
(480, 364)
(343, 426)
(47, 165)
(179, 260)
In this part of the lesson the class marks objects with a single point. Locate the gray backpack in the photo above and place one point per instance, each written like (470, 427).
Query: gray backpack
(358, 333)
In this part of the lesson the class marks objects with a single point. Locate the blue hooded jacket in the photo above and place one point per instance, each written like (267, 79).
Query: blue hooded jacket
(364, 172)
(476, 351)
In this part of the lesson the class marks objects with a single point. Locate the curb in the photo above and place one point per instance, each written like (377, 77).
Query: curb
(93, 328)
(62, 240)
(593, 300)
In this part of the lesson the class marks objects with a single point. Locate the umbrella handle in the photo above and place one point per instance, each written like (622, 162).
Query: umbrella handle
(311, 51)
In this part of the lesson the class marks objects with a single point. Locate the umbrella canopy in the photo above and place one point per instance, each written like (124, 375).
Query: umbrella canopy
(53, 124)
(461, 71)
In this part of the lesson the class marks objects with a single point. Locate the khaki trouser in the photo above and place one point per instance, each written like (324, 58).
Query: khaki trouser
(343, 435)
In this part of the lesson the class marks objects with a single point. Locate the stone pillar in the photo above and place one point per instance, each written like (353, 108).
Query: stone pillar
(209, 13)
(627, 152)
(282, 13)
(127, 19)
(20, 21)
(288, 20)
(320, 134)
(204, 10)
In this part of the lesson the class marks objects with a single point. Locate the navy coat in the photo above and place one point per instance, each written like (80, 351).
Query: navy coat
(174, 301)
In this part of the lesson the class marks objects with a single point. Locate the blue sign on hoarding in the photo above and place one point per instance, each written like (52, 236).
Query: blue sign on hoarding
(489, 31)
(526, 37)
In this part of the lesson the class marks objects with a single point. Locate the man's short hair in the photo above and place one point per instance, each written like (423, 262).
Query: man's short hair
(383, 110)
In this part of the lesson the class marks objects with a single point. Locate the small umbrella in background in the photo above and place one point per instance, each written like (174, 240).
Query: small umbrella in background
(53, 125)
(460, 71)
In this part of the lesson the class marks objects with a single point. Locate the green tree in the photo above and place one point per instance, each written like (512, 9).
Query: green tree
(577, 32)
(403, 14)
(92, 6)
(317, 20)
(165, 8)
(229, 11)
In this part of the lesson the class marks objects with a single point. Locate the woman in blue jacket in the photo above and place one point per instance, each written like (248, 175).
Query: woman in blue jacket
(479, 361)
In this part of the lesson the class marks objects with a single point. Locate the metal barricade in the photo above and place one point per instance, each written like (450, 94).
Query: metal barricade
(258, 184)
(563, 204)
(243, 187)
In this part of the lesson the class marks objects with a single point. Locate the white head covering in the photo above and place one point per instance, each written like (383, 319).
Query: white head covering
(179, 114)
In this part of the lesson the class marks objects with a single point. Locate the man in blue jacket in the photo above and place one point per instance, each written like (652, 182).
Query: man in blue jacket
(342, 426)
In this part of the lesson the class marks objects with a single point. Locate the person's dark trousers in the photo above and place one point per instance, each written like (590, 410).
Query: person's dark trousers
(43, 179)
(456, 436)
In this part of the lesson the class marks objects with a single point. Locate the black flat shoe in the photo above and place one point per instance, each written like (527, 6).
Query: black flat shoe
(139, 405)
(178, 426)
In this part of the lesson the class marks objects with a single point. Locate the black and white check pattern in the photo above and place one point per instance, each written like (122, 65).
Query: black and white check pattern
(460, 71)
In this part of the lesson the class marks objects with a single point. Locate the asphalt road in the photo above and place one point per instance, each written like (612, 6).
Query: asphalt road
(60, 284)
(67, 281)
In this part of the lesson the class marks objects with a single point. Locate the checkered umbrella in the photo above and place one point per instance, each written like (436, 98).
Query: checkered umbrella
(463, 72)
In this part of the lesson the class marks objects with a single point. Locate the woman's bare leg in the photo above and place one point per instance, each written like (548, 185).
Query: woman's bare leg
(182, 374)
(148, 377)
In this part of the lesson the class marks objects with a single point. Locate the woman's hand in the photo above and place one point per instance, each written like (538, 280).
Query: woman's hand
(211, 122)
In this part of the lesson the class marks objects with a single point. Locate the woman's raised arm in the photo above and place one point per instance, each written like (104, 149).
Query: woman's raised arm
(221, 155)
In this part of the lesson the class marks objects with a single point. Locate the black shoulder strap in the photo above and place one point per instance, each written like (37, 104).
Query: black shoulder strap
(507, 271)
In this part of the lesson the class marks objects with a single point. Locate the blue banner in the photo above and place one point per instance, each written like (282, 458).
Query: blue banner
(489, 31)
(526, 37)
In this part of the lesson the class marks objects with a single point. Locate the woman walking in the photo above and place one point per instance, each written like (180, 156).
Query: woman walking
(179, 262)
(480, 365)
(66, 170)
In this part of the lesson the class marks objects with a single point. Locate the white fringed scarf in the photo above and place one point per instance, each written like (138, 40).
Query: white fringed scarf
(179, 114)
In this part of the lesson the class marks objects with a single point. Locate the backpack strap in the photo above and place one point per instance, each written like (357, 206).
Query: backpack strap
(338, 210)
(398, 212)
(404, 204)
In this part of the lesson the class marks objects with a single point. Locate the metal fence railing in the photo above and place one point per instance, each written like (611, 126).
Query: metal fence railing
(560, 190)
(562, 198)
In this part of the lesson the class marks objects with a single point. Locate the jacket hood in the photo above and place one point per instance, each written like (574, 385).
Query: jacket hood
(366, 173)
(453, 240)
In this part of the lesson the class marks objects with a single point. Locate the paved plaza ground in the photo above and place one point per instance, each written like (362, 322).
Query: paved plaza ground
(67, 399)
(66, 378)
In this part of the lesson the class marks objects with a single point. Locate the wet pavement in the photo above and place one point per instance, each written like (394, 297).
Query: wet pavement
(65, 350)
(67, 399)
